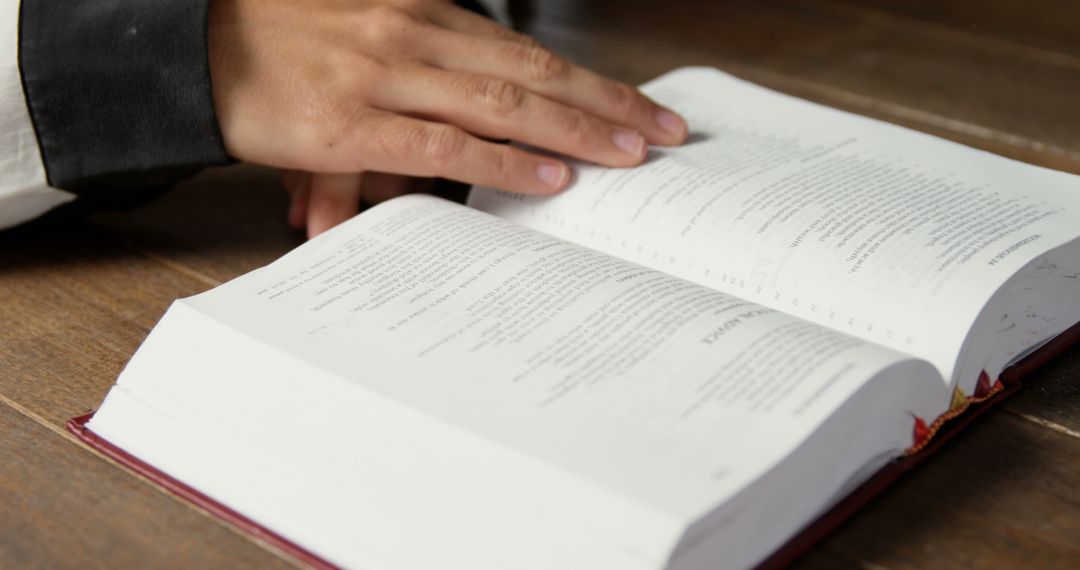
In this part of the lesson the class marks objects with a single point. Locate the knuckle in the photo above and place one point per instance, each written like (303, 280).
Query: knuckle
(576, 127)
(392, 142)
(358, 76)
(544, 65)
(384, 22)
(441, 146)
(528, 41)
(501, 163)
(510, 35)
(623, 100)
(501, 98)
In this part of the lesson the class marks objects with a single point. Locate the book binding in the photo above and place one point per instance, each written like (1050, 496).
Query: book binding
(178, 488)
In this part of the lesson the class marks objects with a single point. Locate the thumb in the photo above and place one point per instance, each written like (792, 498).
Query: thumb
(334, 198)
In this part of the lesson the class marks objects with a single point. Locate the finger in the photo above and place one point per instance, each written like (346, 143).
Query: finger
(544, 72)
(469, 23)
(403, 145)
(298, 208)
(498, 109)
(297, 183)
(334, 199)
(380, 186)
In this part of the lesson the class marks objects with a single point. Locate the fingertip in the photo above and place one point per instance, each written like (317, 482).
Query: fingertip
(554, 176)
(333, 199)
(321, 221)
(675, 128)
(633, 145)
(315, 226)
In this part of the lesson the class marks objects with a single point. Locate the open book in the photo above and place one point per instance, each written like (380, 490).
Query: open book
(679, 365)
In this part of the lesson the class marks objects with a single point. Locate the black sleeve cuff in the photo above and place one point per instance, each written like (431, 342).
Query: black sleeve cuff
(119, 91)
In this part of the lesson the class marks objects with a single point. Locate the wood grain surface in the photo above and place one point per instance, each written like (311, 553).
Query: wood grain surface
(62, 506)
(78, 296)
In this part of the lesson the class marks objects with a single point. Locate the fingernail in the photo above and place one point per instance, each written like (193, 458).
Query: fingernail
(553, 175)
(671, 123)
(630, 142)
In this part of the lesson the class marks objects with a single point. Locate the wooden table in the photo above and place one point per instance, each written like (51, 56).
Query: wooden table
(77, 298)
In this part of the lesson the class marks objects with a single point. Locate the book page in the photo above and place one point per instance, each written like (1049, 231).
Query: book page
(647, 385)
(875, 230)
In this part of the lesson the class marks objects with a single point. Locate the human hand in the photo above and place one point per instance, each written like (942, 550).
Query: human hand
(413, 87)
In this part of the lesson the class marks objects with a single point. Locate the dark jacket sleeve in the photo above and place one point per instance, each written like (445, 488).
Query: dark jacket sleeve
(119, 93)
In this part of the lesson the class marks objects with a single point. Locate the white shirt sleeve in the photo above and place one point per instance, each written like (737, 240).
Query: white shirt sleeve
(24, 192)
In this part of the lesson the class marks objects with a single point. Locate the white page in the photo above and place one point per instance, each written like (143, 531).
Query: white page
(363, 481)
(861, 226)
(625, 376)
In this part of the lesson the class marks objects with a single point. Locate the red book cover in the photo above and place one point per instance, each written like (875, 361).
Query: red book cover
(929, 438)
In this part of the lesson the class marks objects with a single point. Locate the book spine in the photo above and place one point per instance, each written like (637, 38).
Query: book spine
(261, 534)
